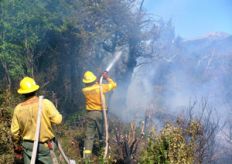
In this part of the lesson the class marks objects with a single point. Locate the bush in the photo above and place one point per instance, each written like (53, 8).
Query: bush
(177, 143)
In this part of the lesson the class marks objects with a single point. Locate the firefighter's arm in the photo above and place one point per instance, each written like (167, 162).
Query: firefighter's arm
(53, 114)
(15, 128)
(111, 85)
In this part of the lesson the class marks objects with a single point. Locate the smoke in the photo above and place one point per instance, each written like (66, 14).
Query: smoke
(171, 86)
(198, 78)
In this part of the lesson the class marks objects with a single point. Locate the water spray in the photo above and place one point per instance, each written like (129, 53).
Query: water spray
(116, 58)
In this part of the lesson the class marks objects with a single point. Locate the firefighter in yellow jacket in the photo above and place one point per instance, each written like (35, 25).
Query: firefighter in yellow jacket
(94, 115)
(24, 119)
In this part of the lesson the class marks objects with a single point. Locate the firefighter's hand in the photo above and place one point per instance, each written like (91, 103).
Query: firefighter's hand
(105, 75)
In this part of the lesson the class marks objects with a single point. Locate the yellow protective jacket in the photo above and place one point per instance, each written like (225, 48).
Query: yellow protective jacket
(93, 96)
(25, 117)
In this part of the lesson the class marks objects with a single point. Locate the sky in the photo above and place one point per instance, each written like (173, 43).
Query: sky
(194, 18)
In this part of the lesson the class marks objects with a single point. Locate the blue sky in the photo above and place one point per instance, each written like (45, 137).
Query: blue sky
(194, 18)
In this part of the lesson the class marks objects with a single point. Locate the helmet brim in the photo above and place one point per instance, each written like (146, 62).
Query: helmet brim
(35, 88)
(89, 81)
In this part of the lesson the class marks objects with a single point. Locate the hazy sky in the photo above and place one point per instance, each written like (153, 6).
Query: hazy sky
(194, 18)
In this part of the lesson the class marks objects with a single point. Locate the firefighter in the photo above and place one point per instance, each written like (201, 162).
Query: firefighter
(94, 114)
(23, 126)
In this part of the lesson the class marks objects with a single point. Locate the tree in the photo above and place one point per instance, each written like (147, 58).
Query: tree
(46, 37)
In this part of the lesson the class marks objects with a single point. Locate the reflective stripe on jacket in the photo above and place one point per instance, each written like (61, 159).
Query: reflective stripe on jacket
(25, 117)
(93, 96)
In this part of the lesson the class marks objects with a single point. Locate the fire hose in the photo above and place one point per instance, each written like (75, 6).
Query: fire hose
(116, 58)
(68, 161)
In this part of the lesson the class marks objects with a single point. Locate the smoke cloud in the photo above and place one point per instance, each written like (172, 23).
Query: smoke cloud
(170, 86)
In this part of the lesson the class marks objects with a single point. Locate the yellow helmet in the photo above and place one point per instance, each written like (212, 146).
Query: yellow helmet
(27, 85)
(89, 77)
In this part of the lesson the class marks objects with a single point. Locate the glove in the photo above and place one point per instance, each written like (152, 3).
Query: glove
(18, 150)
(105, 75)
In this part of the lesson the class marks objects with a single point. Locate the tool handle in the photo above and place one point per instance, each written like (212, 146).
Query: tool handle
(38, 123)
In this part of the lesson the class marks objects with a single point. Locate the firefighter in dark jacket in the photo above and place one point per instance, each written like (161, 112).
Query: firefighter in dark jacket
(94, 114)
